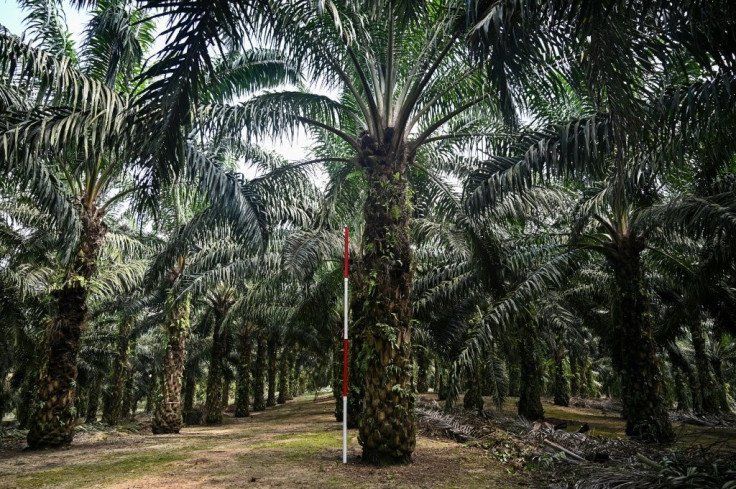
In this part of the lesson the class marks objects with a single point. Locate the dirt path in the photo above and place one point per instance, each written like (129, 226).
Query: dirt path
(294, 445)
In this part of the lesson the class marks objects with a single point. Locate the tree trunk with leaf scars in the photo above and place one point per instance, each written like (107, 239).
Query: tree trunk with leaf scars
(561, 384)
(214, 401)
(53, 421)
(643, 389)
(242, 389)
(167, 415)
(259, 403)
(387, 427)
(113, 408)
(93, 405)
(422, 371)
(272, 361)
(707, 393)
(283, 377)
(530, 385)
(473, 398)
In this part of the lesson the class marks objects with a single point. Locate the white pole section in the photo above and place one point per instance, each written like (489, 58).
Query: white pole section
(345, 360)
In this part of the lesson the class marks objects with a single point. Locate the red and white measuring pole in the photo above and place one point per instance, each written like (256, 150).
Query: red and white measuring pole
(345, 360)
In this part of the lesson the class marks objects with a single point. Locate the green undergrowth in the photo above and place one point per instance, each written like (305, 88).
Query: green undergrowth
(300, 445)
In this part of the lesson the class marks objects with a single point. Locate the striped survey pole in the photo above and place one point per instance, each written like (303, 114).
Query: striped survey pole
(345, 360)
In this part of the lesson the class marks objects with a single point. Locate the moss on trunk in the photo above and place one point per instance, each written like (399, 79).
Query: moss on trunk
(387, 430)
(52, 423)
(167, 414)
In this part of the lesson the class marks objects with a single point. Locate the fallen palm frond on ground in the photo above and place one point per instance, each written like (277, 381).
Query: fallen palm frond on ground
(573, 459)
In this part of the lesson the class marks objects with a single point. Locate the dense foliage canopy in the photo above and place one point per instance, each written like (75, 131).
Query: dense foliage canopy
(541, 196)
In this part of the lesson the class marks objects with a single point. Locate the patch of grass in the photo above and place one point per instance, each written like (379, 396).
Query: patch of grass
(304, 442)
(112, 468)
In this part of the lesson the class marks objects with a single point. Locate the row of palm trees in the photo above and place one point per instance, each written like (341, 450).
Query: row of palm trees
(515, 170)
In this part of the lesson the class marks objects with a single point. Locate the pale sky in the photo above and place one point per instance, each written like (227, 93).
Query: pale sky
(11, 16)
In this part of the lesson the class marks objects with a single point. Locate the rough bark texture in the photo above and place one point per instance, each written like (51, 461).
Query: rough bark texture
(387, 427)
(189, 390)
(228, 377)
(214, 402)
(242, 389)
(422, 371)
(707, 400)
(720, 384)
(283, 377)
(293, 379)
(130, 400)
(151, 394)
(574, 375)
(473, 398)
(259, 403)
(52, 423)
(561, 384)
(272, 361)
(643, 389)
(167, 415)
(530, 384)
(114, 405)
(93, 404)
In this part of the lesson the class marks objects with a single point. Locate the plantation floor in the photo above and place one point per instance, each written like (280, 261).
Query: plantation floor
(294, 445)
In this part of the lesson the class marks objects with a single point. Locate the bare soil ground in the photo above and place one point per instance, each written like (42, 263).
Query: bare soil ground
(293, 445)
(299, 445)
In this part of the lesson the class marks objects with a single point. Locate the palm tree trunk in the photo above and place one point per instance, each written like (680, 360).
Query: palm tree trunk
(283, 377)
(113, 407)
(167, 415)
(643, 389)
(259, 403)
(130, 401)
(272, 360)
(93, 404)
(530, 381)
(387, 426)
(422, 371)
(437, 377)
(52, 423)
(707, 389)
(227, 374)
(293, 379)
(721, 392)
(473, 396)
(188, 391)
(561, 384)
(242, 392)
(213, 403)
